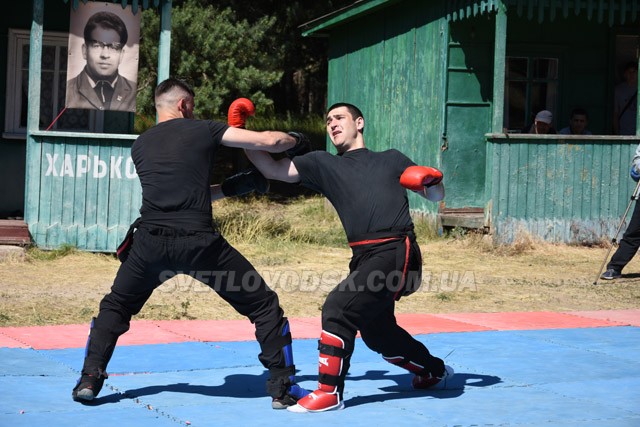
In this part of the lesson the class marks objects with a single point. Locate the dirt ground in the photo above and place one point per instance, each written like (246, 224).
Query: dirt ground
(460, 275)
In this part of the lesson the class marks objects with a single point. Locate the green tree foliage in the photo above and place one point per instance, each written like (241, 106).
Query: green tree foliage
(240, 48)
(221, 56)
(302, 88)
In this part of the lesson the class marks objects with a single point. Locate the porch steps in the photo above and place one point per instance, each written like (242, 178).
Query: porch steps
(14, 232)
(472, 218)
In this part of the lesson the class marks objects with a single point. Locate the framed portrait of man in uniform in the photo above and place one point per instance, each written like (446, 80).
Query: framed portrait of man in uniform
(102, 67)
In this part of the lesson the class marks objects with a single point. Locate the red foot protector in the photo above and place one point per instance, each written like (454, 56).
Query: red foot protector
(328, 396)
(318, 401)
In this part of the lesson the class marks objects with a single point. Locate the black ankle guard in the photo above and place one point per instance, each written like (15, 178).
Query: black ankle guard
(280, 381)
(277, 387)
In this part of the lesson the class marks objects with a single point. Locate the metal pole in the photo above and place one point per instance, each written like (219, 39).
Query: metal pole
(634, 197)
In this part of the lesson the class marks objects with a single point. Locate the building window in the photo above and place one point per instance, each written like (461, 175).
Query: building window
(52, 90)
(531, 85)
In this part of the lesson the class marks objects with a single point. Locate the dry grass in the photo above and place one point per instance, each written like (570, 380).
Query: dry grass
(304, 257)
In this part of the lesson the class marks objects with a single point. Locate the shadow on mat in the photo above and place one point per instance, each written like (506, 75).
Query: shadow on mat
(239, 385)
(403, 390)
(253, 386)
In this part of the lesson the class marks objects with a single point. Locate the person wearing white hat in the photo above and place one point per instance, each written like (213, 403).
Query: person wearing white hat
(542, 124)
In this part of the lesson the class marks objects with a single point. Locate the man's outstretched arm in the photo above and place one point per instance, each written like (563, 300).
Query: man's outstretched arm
(280, 170)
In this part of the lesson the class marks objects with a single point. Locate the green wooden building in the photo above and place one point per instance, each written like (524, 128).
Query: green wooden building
(449, 82)
(452, 83)
(72, 180)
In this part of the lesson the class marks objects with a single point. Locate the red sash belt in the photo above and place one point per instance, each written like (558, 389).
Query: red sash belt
(372, 241)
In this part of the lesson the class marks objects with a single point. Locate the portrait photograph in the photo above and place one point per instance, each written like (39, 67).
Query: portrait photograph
(102, 68)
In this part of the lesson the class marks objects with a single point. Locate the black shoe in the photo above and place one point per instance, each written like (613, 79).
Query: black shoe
(283, 402)
(290, 398)
(611, 274)
(89, 385)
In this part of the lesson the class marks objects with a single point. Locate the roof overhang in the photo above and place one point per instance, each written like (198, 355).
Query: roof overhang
(618, 12)
(613, 12)
(319, 27)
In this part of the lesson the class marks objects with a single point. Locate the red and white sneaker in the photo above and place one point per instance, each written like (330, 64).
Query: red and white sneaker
(433, 383)
(318, 401)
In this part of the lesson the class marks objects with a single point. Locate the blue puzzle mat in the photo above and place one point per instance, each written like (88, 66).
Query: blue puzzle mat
(561, 377)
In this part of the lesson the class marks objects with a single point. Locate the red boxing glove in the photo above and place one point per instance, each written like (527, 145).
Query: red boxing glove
(416, 178)
(239, 110)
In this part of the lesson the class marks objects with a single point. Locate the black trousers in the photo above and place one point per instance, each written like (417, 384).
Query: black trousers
(629, 243)
(365, 301)
(157, 254)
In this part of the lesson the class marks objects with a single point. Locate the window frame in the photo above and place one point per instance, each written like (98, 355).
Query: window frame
(17, 39)
(530, 81)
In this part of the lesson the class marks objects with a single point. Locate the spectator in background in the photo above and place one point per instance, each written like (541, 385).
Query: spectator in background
(542, 124)
(577, 123)
(630, 242)
(625, 102)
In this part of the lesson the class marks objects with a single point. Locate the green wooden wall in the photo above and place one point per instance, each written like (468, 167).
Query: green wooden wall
(83, 190)
(391, 65)
(568, 190)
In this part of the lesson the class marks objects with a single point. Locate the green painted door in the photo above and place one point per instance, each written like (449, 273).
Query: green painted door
(463, 156)
(467, 112)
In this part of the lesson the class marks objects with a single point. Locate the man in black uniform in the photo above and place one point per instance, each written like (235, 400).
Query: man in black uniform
(175, 235)
(367, 190)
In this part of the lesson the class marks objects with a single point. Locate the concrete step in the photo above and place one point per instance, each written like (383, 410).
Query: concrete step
(12, 253)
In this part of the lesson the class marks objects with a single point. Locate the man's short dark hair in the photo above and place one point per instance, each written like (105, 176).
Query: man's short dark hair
(170, 83)
(106, 20)
(355, 111)
(578, 111)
